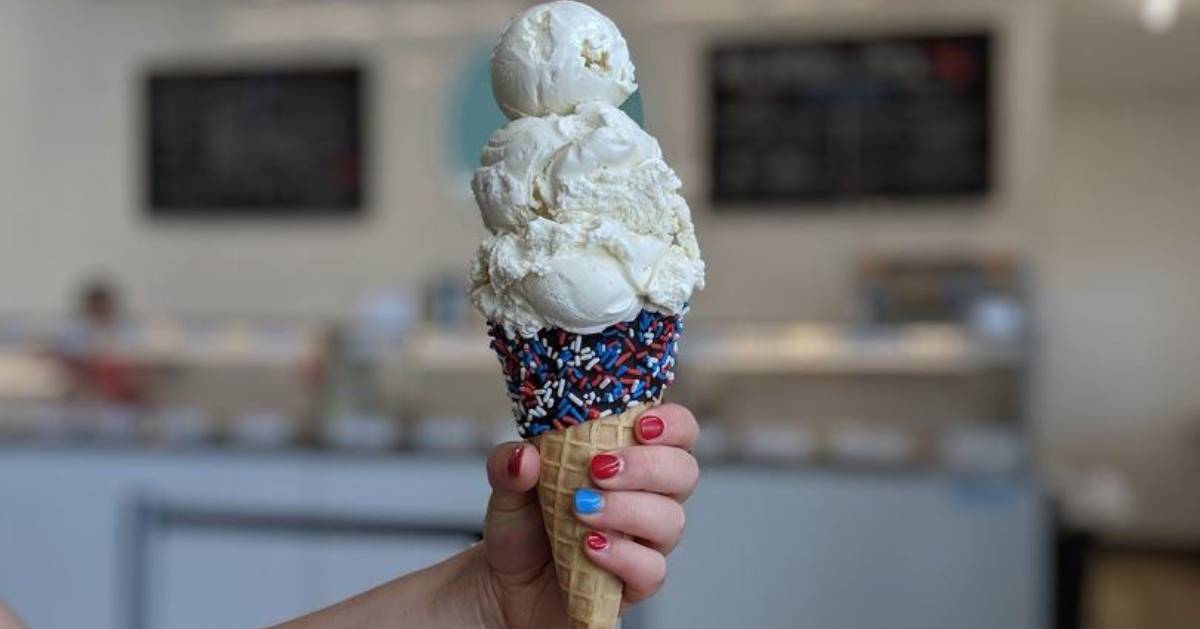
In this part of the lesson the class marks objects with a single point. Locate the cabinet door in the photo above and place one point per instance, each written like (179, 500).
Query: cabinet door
(201, 579)
(344, 566)
(849, 552)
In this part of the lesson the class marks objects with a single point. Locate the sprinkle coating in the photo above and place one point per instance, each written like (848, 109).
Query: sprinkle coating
(557, 378)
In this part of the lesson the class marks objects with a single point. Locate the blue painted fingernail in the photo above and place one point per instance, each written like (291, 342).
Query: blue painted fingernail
(588, 501)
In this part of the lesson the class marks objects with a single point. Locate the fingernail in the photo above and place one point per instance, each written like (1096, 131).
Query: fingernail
(595, 541)
(514, 461)
(588, 501)
(650, 427)
(605, 466)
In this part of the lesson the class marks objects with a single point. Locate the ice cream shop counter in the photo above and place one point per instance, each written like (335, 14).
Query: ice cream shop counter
(144, 538)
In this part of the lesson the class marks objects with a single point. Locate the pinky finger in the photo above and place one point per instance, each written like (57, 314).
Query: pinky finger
(642, 569)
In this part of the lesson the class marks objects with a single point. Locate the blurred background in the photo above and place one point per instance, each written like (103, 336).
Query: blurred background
(946, 363)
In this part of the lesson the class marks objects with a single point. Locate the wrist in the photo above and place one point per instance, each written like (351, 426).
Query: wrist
(475, 587)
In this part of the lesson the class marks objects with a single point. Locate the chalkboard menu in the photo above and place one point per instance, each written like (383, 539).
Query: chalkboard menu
(835, 122)
(255, 143)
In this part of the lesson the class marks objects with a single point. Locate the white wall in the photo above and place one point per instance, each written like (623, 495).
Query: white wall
(1121, 304)
(15, 227)
(802, 264)
(82, 206)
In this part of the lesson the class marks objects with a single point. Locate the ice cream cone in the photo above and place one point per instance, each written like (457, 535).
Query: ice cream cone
(575, 395)
(592, 595)
(589, 265)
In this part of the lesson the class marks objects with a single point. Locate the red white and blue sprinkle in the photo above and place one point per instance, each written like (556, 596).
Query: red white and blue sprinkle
(557, 378)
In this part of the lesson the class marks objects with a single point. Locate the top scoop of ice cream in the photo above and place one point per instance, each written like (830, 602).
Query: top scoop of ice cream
(588, 227)
(557, 55)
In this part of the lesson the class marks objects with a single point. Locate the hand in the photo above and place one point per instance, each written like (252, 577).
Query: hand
(643, 488)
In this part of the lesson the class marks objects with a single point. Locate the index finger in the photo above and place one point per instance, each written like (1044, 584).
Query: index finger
(667, 425)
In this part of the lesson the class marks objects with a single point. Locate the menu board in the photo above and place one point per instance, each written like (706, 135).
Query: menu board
(840, 122)
(268, 142)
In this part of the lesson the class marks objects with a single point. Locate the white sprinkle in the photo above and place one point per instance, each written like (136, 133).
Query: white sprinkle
(592, 363)
(604, 385)
(561, 385)
(574, 398)
(559, 363)
(575, 344)
(606, 413)
(634, 403)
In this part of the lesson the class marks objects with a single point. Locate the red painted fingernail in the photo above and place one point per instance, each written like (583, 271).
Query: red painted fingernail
(514, 461)
(595, 541)
(605, 465)
(650, 427)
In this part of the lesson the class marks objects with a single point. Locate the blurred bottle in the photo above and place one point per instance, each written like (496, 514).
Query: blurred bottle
(446, 300)
(339, 378)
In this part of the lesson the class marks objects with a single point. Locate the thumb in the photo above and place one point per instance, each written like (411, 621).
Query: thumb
(514, 539)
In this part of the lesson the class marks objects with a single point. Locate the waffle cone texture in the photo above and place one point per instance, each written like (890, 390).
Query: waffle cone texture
(592, 595)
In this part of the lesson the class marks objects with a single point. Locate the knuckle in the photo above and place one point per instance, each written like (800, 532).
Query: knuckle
(660, 577)
(680, 524)
(652, 466)
(683, 414)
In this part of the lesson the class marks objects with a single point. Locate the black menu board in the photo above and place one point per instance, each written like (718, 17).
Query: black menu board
(264, 142)
(835, 122)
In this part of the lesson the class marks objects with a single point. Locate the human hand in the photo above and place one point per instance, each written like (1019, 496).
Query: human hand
(642, 489)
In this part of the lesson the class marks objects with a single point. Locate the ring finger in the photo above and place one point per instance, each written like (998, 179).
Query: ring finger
(657, 520)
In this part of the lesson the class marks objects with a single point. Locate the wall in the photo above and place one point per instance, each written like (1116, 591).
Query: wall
(782, 264)
(1120, 304)
(83, 210)
(1119, 290)
(14, 132)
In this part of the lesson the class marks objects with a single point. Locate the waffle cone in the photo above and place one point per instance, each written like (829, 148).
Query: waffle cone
(592, 595)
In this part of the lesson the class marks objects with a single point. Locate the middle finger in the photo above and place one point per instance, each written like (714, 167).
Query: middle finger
(658, 469)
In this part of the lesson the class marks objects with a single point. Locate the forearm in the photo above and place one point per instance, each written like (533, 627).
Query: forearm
(454, 594)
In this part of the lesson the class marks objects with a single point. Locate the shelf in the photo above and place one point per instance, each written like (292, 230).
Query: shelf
(784, 349)
(824, 349)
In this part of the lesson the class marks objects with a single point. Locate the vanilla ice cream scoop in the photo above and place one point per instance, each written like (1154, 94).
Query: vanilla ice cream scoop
(557, 55)
(595, 160)
(587, 226)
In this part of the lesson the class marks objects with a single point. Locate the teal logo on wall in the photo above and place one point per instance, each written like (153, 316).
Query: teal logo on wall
(474, 115)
